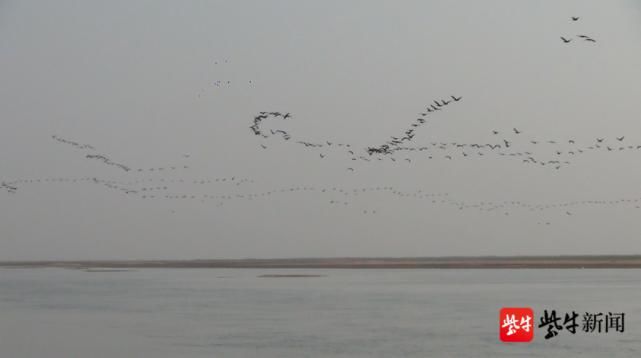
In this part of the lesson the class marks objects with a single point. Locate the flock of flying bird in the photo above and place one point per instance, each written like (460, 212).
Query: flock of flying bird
(508, 143)
(219, 83)
(161, 187)
(582, 37)
(172, 189)
(511, 144)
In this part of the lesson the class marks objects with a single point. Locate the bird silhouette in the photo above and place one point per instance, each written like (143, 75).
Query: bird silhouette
(565, 40)
(575, 18)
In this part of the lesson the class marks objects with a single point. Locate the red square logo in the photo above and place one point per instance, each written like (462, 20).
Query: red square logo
(516, 324)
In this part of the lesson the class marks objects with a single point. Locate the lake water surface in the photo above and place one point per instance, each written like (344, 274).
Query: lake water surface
(62, 313)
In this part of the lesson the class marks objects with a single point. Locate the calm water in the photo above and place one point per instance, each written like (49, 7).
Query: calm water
(58, 313)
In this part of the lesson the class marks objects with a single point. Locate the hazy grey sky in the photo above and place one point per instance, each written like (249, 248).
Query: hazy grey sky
(135, 79)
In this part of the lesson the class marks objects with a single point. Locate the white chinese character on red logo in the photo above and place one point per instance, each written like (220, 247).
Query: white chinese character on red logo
(516, 324)
(511, 324)
(525, 323)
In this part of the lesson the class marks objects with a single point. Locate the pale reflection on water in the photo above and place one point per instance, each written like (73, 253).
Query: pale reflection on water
(58, 313)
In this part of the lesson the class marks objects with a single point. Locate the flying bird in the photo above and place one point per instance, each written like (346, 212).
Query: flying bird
(565, 40)
(456, 99)
(575, 18)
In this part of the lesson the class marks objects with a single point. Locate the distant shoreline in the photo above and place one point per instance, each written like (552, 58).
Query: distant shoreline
(485, 262)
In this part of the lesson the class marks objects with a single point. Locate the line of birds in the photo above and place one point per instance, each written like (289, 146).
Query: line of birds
(348, 197)
(12, 186)
(167, 191)
(73, 143)
(389, 146)
(257, 129)
(512, 148)
(160, 169)
(100, 157)
(107, 161)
